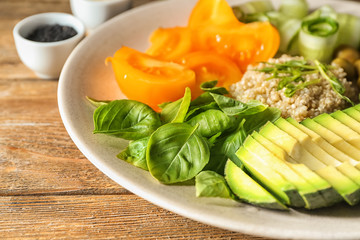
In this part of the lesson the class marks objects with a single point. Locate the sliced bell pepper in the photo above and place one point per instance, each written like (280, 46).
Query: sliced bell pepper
(170, 43)
(247, 44)
(267, 38)
(212, 12)
(149, 80)
(217, 29)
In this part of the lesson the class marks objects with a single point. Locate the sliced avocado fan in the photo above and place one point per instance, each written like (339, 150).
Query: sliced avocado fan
(299, 151)
(248, 190)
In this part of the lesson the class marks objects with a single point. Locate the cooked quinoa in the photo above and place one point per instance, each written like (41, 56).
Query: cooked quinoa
(308, 102)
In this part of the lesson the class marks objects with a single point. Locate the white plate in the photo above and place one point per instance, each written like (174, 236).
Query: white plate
(85, 74)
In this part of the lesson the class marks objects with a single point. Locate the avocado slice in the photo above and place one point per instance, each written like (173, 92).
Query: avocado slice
(351, 171)
(311, 197)
(306, 142)
(348, 189)
(344, 167)
(324, 188)
(357, 107)
(339, 128)
(332, 138)
(347, 120)
(292, 147)
(274, 182)
(248, 190)
(352, 112)
(339, 155)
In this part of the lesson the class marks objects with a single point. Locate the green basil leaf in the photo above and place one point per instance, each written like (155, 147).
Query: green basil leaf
(127, 119)
(201, 108)
(229, 105)
(210, 86)
(163, 105)
(211, 184)
(211, 122)
(176, 153)
(225, 148)
(213, 139)
(201, 100)
(254, 107)
(202, 103)
(176, 111)
(254, 122)
(232, 143)
(233, 107)
(135, 153)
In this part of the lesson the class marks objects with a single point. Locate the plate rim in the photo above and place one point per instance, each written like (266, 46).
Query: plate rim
(163, 203)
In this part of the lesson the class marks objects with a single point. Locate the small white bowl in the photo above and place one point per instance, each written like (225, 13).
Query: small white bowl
(46, 59)
(95, 12)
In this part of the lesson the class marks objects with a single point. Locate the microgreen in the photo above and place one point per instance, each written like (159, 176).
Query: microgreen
(333, 80)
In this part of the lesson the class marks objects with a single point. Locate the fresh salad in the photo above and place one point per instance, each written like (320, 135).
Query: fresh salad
(183, 126)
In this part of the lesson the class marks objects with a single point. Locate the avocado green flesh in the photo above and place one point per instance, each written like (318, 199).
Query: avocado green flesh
(312, 164)
(306, 142)
(353, 198)
(357, 107)
(332, 138)
(248, 190)
(310, 195)
(330, 149)
(294, 130)
(351, 171)
(300, 168)
(293, 147)
(345, 167)
(318, 152)
(269, 179)
(328, 193)
(347, 120)
(352, 112)
(348, 189)
(338, 128)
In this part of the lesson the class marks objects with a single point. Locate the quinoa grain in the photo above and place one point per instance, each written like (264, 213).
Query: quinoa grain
(305, 103)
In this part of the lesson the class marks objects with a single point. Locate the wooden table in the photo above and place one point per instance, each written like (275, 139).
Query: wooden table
(48, 189)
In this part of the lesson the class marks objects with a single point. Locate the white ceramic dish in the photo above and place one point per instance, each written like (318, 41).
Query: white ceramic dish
(85, 74)
(95, 12)
(46, 59)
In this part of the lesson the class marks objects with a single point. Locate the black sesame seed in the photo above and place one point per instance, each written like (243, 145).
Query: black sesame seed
(51, 33)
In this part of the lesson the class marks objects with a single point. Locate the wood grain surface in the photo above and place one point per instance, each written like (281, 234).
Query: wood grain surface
(48, 189)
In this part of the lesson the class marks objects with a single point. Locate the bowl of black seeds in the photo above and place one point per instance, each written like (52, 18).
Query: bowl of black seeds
(51, 33)
(44, 41)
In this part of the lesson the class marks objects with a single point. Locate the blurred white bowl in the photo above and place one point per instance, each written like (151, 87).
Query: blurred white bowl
(95, 12)
(46, 59)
